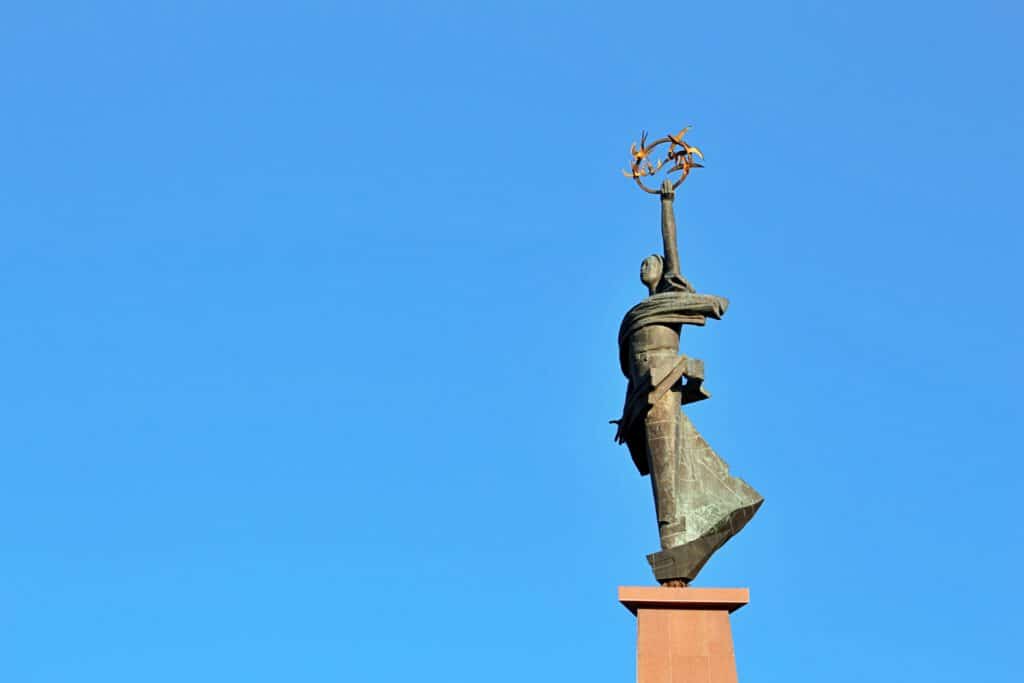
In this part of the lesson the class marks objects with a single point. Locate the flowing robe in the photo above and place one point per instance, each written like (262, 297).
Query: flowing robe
(699, 506)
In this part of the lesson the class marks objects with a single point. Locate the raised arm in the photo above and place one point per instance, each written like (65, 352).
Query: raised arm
(668, 229)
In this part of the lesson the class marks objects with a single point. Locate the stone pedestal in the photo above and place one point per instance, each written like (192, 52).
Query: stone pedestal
(683, 634)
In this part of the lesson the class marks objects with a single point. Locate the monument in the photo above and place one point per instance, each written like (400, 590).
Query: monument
(683, 633)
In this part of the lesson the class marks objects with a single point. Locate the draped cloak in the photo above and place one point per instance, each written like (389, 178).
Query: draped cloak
(703, 506)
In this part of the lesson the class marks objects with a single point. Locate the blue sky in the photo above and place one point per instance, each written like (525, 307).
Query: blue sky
(310, 315)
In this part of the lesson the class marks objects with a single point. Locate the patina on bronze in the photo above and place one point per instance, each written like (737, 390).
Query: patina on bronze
(699, 504)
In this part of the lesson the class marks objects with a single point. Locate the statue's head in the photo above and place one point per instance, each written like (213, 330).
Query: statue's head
(650, 272)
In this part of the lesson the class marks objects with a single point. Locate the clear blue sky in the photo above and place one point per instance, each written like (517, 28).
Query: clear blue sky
(309, 335)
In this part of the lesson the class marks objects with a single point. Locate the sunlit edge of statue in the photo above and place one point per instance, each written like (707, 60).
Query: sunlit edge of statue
(699, 505)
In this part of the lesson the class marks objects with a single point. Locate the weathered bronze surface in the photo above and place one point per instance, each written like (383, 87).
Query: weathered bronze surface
(699, 504)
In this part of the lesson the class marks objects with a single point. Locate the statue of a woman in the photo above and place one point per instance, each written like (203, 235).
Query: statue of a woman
(699, 506)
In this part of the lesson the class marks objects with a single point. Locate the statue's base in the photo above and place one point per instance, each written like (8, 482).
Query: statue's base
(683, 634)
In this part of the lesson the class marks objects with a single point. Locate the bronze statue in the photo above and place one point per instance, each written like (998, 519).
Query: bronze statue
(699, 505)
